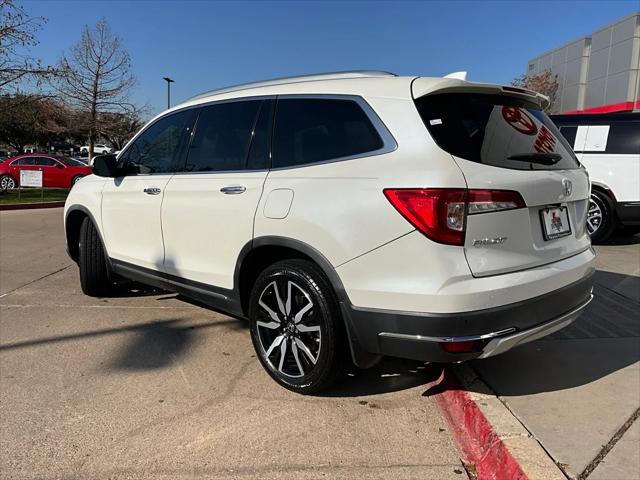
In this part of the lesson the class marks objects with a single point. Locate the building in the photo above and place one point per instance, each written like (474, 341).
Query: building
(597, 73)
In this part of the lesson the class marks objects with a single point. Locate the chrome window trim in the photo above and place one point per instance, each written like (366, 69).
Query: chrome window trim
(389, 143)
(183, 109)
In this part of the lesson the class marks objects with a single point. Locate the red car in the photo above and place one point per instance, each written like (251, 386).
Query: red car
(57, 172)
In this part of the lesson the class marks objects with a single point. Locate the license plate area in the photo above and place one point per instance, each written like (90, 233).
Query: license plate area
(555, 222)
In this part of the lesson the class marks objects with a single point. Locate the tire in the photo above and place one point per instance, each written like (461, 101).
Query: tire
(75, 179)
(94, 270)
(7, 182)
(304, 356)
(601, 219)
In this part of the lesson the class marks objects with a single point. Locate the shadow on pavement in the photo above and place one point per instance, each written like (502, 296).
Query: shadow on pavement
(625, 237)
(390, 375)
(154, 345)
(158, 344)
(604, 340)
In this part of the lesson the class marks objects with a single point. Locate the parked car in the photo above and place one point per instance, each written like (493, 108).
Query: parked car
(608, 145)
(57, 172)
(356, 213)
(100, 149)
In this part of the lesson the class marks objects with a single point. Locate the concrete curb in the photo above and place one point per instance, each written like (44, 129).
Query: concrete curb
(494, 444)
(31, 206)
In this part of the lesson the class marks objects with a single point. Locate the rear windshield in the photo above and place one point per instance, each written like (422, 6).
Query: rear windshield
(496, 130)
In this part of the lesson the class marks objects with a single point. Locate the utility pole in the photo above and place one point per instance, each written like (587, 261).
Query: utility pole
(169, 82)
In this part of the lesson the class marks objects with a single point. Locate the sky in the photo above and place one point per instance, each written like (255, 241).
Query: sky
(204, 45)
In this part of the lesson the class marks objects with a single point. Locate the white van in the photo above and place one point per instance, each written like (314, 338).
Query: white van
(608, 145)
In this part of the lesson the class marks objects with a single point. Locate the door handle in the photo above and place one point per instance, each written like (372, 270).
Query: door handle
(233, 189)
(152, 190)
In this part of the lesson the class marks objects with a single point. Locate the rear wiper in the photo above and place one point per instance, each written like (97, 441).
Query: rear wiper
(542, 158)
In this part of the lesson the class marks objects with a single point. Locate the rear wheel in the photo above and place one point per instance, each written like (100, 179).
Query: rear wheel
(296, 327)
(94, 270)
(7, 183)
(601, 220)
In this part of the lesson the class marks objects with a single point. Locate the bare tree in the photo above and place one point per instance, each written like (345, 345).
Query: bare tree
(95, 76)
(119, 128)
(17, 35)
(545, 83)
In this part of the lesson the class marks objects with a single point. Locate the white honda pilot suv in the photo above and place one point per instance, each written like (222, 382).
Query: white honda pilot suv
(357, 213)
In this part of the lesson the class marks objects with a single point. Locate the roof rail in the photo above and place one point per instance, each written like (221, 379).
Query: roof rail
(297, 79)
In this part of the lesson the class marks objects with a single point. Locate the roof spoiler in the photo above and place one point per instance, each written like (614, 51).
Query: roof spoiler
(428, 86)
(457, 75)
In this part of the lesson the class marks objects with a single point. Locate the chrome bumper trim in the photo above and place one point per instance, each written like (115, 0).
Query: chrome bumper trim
(502, 340)
(502, 344)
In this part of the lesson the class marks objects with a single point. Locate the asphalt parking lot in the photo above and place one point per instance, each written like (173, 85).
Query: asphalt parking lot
(150, 386)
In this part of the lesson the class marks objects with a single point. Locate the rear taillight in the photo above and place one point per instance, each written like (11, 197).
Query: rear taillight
(482, 201)
(440, 213)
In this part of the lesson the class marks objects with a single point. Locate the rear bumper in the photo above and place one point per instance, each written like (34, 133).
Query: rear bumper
(420, 336)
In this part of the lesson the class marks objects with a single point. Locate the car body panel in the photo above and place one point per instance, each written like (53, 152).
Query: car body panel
(225, 224)
(59, 176)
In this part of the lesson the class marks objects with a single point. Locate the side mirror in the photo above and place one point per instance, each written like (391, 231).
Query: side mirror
(105, 166)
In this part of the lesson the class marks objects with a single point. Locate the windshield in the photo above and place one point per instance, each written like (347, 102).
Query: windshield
(495, 130)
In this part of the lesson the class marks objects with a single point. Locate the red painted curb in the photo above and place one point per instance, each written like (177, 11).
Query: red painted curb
(31, 206)
(474, 435)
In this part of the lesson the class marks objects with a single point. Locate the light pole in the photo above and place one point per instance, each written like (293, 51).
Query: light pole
(169, 82)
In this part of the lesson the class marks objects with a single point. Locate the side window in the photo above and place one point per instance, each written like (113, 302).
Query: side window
(314, 130)
(222, 137)
(569, 133)
(161, 146)
(624, 138)
(259, 150)
(46, 162)
(25, 161)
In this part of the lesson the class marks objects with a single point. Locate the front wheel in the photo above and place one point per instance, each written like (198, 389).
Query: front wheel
(601, 220)
(94, 270)
(7, 183)
(76, 179)
(296, 327)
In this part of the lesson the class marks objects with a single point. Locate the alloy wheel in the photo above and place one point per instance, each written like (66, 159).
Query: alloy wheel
(289, 334)
(7, 183)
(595, 215)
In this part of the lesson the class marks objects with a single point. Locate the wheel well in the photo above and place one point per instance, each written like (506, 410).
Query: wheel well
(605, 191)
(72, 230)
(256, 261)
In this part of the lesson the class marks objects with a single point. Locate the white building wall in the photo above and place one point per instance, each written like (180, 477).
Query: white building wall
(596, 70)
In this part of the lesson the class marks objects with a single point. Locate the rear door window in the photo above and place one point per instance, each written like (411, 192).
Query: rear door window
(311, 130)
(495, 130)
(613, 137)
(624, 138)
(46, 162)
(222, 137)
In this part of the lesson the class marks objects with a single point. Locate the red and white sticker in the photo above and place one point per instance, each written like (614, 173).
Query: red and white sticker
(520, 120)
